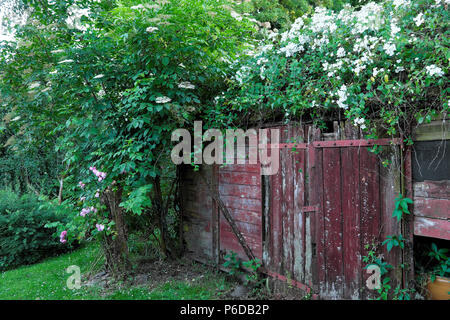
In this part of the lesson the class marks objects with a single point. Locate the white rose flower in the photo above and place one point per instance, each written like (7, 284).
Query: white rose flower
(186, 85)
(151, 29)
(419, 19)
(434, 70)
(163, 99)
(34, 85)
(389, 48)
(236, 15)
(139, 6)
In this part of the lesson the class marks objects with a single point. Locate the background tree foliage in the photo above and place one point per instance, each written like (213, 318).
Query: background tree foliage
(107, 88)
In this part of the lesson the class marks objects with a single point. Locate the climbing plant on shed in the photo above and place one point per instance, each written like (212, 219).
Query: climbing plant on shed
(384, 67)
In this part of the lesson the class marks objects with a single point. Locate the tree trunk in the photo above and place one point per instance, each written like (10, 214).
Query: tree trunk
(115, 246)
(161, 212)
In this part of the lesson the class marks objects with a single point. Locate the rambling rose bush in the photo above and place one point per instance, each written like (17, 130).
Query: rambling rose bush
(93, 217)
(383, 66)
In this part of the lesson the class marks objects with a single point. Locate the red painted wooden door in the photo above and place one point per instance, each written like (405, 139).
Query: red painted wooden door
(355, 195)
(327, 202)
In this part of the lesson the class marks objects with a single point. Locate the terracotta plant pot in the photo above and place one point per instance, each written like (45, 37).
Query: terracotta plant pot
(439, 289)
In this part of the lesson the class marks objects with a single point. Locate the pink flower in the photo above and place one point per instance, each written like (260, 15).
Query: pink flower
(100, 227)
(81, 184)
(100, 175)
(84, 212)
(82, 198)
(62, 237)
(97, 194)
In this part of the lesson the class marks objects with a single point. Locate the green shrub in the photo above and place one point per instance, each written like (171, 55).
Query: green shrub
(24, 239)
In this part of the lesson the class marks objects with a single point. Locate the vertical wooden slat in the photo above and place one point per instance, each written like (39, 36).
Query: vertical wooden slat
(333, 222)
(308, 249)
(350, 131)
(276, 222)
(370, 205)
(350, 212)
(319, 231)
(311, 222)
(389, 189)
(299, 216)
(266, 221)
(215, 218)
(287, 190)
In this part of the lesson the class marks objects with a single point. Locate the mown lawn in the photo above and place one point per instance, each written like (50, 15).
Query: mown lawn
(47, 280)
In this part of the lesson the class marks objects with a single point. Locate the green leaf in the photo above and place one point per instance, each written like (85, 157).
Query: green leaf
(389, 246)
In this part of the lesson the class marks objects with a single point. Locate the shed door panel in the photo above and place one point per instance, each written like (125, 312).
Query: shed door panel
(240, 190)
(288, 233)
(355, 194)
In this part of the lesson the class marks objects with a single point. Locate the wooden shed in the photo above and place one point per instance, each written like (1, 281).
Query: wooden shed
(311, 222)
(431, 180)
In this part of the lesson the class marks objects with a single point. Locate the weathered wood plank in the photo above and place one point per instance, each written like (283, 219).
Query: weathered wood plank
(243, 178)
(242, 203)
(370, 204)
(276, 220)
(390, 188)
(350, 131)
(299, 216)
(288, 218)
(229, 242)
(252, 217)
(241, 191)
(284, 213)
(432, 208)
(435, 130)
(434, 228)
(432, 189)
(351, 216)
(247, 229)
(240, 168)
(333, 223)
(317, 227)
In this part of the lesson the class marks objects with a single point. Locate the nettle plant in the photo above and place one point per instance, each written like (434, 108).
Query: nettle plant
(383, 66)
